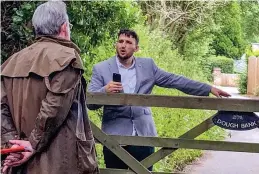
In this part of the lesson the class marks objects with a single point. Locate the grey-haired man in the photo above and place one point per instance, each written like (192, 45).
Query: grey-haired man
(43, 101)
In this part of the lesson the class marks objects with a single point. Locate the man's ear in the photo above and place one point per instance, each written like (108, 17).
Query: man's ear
(63, 28)
(137, 48)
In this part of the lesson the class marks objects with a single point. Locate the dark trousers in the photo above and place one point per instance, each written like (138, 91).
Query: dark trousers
(138, 152)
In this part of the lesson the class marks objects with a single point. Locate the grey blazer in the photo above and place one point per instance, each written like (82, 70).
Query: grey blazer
(118, 120)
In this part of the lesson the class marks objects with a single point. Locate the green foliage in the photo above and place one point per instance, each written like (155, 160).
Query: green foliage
(226, 64)
(255, 53)
(229, 40)
(16, 29)
(178, 18)
(197, 43)
(242, 83)
(249, 52)
(98, 21)
(250, 20)
(93, 21)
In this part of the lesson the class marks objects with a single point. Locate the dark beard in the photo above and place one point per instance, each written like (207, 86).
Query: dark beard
(123, 57)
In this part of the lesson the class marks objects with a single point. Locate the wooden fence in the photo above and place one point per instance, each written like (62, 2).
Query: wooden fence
(224, 79)
(253, 76)
(169, 145)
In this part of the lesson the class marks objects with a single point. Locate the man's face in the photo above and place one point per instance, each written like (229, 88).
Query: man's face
(126, 46)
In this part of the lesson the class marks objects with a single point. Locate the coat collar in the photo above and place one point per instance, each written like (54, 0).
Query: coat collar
(58, 40)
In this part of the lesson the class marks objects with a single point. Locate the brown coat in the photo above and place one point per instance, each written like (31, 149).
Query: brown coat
(42, 91)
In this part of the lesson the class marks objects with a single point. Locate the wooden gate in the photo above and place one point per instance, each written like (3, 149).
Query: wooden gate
(169, 145)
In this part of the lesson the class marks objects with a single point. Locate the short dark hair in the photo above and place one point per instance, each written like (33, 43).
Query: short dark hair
(129, 33)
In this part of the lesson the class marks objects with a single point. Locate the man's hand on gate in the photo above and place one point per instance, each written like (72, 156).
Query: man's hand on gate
(219, 93)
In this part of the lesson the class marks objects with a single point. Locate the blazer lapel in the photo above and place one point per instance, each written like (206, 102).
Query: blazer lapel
(139, 77)
(113, 65)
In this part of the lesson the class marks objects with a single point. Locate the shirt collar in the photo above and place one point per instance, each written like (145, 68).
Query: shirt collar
(122, 66)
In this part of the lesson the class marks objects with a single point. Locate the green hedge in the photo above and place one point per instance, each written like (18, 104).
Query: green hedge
(242, 83)
(226, 64)
(250, 53)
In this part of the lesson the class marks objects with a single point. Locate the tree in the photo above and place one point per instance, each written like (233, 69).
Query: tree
(16, 32)
(229, 40)
(178, 18)
(94, 21)
(250, 20)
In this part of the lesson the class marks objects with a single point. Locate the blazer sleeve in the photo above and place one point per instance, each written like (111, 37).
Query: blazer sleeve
(188, 86)
(96, 85)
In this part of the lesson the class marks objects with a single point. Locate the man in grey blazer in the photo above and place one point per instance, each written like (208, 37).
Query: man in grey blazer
(139, 76)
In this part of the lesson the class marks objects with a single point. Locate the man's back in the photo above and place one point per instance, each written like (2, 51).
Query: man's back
(24, 77)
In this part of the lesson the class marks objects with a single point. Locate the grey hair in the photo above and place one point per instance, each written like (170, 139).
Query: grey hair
(48, 18)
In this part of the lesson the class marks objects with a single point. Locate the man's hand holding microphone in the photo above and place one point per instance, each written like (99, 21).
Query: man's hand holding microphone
(114, 86)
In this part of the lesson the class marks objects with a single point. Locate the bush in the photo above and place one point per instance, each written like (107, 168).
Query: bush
(250, 53)
(242, 83)
(226, 64)
(229, 40)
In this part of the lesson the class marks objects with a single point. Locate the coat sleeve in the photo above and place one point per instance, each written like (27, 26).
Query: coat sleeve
(55, 107)
(188, 86)
(96, 85)
(8, 130)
